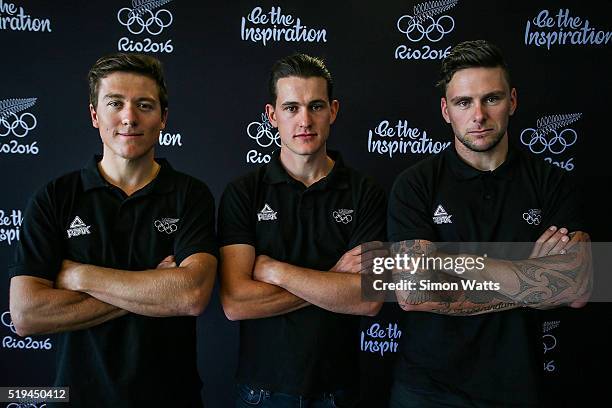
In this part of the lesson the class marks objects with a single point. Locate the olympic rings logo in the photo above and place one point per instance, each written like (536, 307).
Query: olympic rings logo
(166, 227)
(8, 324)
(549, 344)
(25, 405)
(19, 126)
(343, 218)
(435, 31)
(139, 20)
(263, 133)
(533, 217)
(537, 142)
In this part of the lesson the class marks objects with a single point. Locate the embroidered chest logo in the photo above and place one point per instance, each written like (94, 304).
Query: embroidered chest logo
(266, 214)
(343, 215)
(441, 216)
(533, 216)
(78, 227)
(167, 225)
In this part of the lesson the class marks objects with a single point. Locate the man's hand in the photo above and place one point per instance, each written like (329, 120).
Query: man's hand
(360, 258)
(552, 242)
(167, 262)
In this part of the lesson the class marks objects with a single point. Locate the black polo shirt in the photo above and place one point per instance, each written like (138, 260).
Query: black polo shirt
(133, 360)
(493, 358)
(310, 350)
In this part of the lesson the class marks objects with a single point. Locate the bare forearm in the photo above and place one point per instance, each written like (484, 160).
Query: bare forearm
(451, 299)
(454, 301)
(541, 282)
(156, 292)
(336, 292)
(254, 300)
(52, 310)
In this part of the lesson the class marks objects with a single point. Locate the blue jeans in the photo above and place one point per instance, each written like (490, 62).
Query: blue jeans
(253, 397)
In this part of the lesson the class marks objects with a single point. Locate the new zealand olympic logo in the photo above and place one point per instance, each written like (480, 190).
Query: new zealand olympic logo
(343, 215)
(141, 17)
(263, 132)
(533, 216)
(423, 24)
(539, 140)
(6, 320)
(167, 225)
(11, 122)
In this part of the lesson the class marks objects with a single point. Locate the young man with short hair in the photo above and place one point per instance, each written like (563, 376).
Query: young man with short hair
(291, 236)
(480, 347)
(119, 257)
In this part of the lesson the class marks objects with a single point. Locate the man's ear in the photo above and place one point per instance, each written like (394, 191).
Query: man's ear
(444, 109)
(271, 114)
(94, 116)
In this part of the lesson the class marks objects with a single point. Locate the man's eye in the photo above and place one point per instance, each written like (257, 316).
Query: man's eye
(493, 99)
(463, 104)
(317, 107)
(291, 108)
(114, 104)
(145, 106)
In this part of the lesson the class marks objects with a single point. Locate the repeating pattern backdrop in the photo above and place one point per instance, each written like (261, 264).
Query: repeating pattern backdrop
(384, 57)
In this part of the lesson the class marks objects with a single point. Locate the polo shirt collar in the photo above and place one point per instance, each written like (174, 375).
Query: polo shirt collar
(337, 178)
(464, 171)
(92, 179)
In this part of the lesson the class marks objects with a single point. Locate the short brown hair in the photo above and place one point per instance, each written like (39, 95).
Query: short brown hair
(301, 66)
(122, 62)
(471, 54)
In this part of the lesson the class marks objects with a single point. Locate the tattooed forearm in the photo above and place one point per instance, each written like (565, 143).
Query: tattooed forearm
(493, 307)
(552, 280)
(454, 301)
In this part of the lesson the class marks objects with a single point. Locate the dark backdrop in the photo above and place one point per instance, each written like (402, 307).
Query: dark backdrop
(384, 66)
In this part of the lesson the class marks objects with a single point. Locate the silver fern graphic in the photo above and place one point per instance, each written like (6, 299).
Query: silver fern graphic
(142, 6)
(548, 326)
(554, 122)
(432, 8)
(10, 106)
(265, 122)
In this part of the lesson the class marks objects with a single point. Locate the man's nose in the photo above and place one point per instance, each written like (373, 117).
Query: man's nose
(480, 112)
(129, 115)
(305, 118)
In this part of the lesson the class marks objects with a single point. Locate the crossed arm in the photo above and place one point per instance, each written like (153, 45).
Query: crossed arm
(558, 272)
(259, 286)
(87, 295)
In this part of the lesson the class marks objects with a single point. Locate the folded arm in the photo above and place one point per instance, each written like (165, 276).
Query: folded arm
(242, 296)
(337, 290)
(37, 307)
(560, 277)
(167, 290)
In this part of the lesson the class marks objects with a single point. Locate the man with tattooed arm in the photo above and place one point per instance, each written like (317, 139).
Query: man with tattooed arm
(480, 347)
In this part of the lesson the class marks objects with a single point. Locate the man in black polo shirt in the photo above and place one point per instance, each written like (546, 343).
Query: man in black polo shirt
(119, 257)
(466, 348)
(290, 236)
